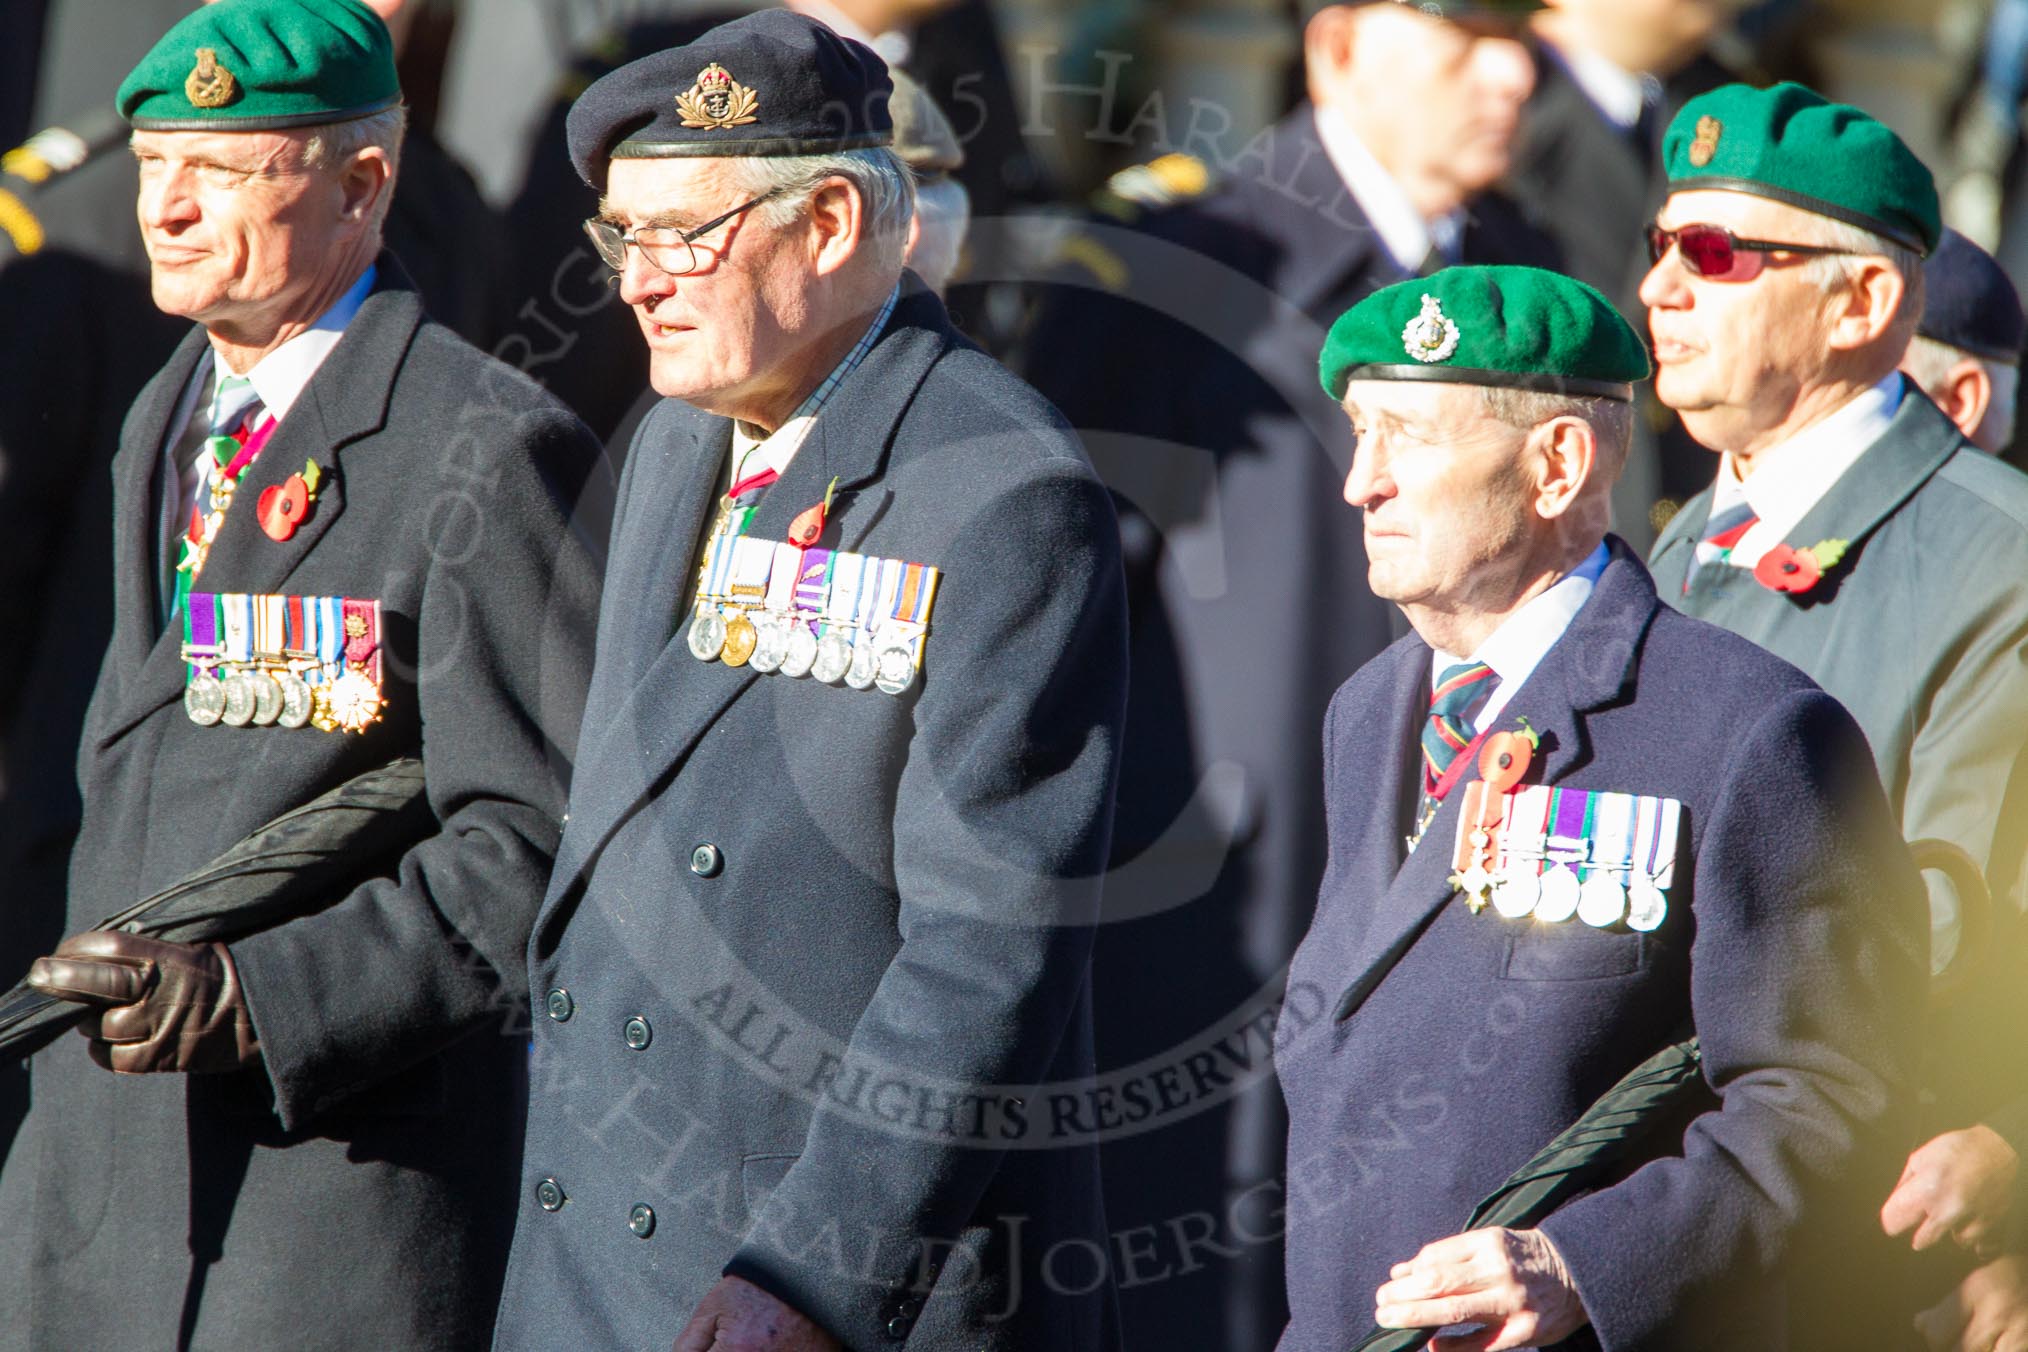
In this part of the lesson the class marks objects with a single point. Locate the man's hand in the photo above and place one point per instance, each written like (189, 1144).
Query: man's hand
(1987, 1313)
(152, 1005)
(737, 1316)
(1510, 1282)
(1957, 1186)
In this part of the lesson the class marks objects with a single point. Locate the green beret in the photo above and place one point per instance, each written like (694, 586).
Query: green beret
(1793, 145)
(1512, 327)
(264, 65)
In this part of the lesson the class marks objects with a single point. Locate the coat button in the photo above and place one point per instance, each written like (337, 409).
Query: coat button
(637, 1033)
(549, 1196)
(641, 1220)
(898, 1327)
(706, 861)
(560, 1005)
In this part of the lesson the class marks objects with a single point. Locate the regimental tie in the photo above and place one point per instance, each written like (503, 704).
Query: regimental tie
(1459, 690)
(1447, 737)
(239, 429)
(1722, 531)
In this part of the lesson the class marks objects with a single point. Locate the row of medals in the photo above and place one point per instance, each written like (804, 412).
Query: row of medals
(1600, 900)
(785, 643)
(279, 697)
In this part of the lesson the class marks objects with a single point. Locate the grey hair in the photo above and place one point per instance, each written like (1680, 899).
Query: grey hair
(336, 143)
(1832, 271)
(1611, 420)
(886, 190)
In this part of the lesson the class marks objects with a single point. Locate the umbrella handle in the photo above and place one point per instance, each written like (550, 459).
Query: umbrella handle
(1975, 913)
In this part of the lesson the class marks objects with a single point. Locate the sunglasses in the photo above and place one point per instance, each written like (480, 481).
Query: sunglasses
(1716, 254)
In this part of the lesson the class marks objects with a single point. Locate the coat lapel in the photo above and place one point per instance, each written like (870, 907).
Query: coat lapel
(1915, 446)
(1591, 667)
(346, 399)
(676, 699)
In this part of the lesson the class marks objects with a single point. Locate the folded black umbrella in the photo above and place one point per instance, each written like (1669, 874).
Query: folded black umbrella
(1606, 1137)
(299, 863)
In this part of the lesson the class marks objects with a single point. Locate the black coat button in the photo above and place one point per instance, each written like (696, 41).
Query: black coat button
(898, 1327)
(637, 1033)
(641, 1220)
(549, 1196)
(560, 1005)
(706, 861)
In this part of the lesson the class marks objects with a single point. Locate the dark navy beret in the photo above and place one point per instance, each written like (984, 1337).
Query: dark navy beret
(1969, 303)
(768, 83)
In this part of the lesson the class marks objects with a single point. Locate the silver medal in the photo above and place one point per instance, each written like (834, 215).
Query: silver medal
(1601, 901)
(1559, 895)
(771, 644)
(1515, 893)
(859, 675)
(1647, 906)
(801, 654)
(297, 702)
(239, 700)
(204, 699)
(894, 669)
(707, 636)
(267, 698)
(834, 657)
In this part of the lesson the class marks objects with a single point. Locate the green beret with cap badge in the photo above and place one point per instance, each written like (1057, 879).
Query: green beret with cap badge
(264, 65)
(1509, 327)
(1791, 144)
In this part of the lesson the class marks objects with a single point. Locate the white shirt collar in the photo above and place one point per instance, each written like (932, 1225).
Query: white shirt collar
(1617, 92)
(279, 377)
(1518, 646)
(1791, 478)
(1405, 233)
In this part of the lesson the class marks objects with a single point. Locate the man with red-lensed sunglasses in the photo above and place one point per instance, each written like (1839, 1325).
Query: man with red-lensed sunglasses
(1854, 531)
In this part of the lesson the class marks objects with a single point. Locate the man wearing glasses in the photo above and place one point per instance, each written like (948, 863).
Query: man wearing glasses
(1854, 531)
(818, 937)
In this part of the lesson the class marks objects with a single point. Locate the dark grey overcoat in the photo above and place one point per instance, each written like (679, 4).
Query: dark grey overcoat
(357, 1192)
(814, 962)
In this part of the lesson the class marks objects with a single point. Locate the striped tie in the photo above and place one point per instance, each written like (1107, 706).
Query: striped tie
(1459, 690)
(1721, 532)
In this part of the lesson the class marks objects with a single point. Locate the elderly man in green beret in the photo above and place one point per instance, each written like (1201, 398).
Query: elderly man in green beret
(337, 525)
(1853, 530)
(1537, 881)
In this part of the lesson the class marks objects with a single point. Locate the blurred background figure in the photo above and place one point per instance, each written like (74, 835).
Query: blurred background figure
(79, 337)
(1609, 74)
(1183, 346)
(1966, 353)
(926, 143)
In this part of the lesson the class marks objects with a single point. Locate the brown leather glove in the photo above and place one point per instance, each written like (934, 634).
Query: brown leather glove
(153, 1005)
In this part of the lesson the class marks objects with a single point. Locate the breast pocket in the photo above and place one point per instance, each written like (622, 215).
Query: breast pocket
(1572, 952)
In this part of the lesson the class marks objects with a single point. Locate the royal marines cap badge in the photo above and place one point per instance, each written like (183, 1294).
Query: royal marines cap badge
(1705, 144)
(718, 100)
(1430, 336)
(209, 85)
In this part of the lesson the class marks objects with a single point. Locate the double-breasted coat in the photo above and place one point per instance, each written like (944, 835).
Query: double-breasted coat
(812, 956)
(1793, 948)
(356, 1188)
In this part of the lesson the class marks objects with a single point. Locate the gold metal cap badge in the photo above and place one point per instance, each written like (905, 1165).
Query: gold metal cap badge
(209, 85)
(1706, 144)
(717, 100)
(1430, 336)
